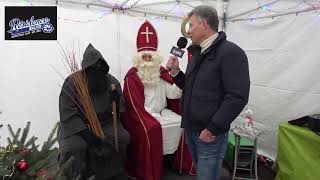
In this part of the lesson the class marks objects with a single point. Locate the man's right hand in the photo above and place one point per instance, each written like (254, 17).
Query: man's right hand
(173, 65)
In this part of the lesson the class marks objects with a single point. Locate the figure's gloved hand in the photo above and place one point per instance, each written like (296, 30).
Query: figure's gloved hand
(104, 149)
(98, 149)
(90, 138)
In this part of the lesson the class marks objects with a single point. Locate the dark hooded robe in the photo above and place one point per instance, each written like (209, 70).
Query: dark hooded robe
(91, 156)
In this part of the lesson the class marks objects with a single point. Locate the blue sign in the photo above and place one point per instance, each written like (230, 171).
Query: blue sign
(21, 28)
(31, 23)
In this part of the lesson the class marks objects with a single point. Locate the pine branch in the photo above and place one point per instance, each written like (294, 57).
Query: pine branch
(59, 172)
(48, 145)
(35, 146)
(4, 172)
(0, 128)
(51, 139)
(9, 140)
(53, 142)
(16, 137)
(31, 142)
(53, 132)
(37, 160)
(36, 166)
(25, 133)
(92, 178)
(44, 146)
(12, 133)
(52, 160)
(15, 158)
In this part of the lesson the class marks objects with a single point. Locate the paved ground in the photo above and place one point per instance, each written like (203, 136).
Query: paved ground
(264, 173)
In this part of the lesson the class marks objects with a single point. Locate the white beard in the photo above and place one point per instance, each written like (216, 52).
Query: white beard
(149, 73)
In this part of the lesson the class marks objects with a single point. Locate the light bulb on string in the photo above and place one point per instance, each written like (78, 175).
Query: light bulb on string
(26, 2)
(267, 7)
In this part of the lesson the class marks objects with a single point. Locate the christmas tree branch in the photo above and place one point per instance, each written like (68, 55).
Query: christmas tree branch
(25, 133)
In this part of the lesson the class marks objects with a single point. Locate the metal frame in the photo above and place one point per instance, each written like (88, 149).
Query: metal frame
(277, 15)
(234, 18)
(252, 163)
(252, 10)
(135, 9)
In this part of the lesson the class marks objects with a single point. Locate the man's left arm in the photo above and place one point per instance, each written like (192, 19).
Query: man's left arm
(236, 83)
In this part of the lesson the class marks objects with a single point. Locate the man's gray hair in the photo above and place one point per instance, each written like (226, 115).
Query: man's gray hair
(208, 13)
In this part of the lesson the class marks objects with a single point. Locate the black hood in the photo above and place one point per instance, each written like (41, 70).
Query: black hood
(91, 56)
(96, 69)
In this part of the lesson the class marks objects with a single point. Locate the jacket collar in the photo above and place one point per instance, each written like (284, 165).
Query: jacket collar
(196, 49)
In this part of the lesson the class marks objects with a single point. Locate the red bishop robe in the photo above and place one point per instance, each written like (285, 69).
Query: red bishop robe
(145, 151)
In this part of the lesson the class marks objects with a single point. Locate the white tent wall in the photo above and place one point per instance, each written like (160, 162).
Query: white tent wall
(283, 55)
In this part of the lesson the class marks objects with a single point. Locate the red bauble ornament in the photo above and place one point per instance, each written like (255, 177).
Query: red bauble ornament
(22, 165)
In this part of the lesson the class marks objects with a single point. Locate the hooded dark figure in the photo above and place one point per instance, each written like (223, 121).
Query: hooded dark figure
(91, 155)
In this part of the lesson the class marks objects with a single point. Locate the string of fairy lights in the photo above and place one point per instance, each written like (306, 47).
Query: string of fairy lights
(178, 12)
(269, 10)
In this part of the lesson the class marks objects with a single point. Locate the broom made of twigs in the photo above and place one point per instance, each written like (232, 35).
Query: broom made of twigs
(82, 93)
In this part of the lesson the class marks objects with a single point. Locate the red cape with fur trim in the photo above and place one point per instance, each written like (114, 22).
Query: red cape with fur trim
(144, 161)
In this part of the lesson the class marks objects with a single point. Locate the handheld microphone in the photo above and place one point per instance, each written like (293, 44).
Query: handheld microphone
(177, 51)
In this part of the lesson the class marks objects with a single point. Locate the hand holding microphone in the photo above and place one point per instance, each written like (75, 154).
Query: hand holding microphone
(173, 63)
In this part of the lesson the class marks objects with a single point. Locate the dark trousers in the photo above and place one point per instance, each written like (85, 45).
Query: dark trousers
(85, 163)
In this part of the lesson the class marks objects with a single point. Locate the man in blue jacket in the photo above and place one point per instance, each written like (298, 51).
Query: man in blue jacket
(215, 87)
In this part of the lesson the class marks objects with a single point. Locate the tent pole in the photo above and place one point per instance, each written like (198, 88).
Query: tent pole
(129, 9)
(155, 3)
(153, 13)
(222, 12)
(225, 15)
(83, 3)
(123, 4)
(187, 4)
(118, 43)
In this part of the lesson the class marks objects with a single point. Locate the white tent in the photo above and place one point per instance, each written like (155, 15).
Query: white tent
(280, 38)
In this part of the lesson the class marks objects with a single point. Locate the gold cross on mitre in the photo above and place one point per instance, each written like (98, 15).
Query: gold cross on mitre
(147, 33)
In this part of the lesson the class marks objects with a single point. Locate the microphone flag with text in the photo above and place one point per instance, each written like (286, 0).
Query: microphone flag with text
(177, 51)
